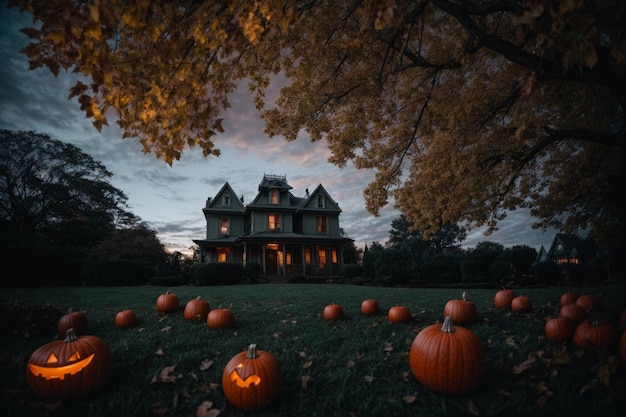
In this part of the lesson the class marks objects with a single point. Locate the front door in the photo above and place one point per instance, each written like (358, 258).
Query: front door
(271, 262)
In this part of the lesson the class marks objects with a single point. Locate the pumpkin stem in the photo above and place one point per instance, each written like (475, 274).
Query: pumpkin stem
(252, 352)
(70, 335)
(447, 325)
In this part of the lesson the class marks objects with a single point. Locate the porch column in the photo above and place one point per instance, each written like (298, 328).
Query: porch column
(284, 261)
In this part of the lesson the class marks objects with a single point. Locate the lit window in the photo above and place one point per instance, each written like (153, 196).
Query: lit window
(321, 224)
(273, 222)
(222, 255)
(333, 256)
(224, 226)
(321, 254)
(307, 256)
(274, 196)
(288, 258)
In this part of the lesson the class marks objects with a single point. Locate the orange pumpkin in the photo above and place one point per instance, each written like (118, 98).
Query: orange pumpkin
(599, 334)
(333, 312)
(569, 297)
(167, 302)
(76, 320)
(252, 379)
(399, 314)
(559, 329)
(502, 299)
(197, 309)
(221, 318)
(574, 312)
(69, 368)
(447, 359)
(521, 304)
(369, 307)
(461, 311)
(125, 318)
(591, 302)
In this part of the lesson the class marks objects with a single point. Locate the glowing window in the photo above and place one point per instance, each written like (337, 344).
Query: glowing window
(224, 226)
(321, 224)
(274, 196)
(273, 222)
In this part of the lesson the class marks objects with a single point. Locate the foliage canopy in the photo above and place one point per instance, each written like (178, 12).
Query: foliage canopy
(465, 109)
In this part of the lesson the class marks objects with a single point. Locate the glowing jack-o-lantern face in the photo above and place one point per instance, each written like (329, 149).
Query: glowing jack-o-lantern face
(69, 368)
(252, 379)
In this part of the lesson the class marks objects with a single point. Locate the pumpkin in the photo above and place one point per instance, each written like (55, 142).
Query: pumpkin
(221, 318)
(447, 359)
(622, 348)
(167, 302)
(559, 329)
(197, 309)
(69, 368)
(125, 318)
(599, 334)
(502, 299)
(252, 379)
(591, 302)
(333, 312)
(461, 311)
(569, 297)
(73, 319)
(399, 314)
(369, 307)
(574, 312)
(521, 304)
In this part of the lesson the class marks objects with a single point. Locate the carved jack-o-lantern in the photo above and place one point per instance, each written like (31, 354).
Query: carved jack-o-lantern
(69, 368)
(252, 379)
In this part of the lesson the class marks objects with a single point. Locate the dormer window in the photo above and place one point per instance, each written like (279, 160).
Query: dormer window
(320, 201)
(226, 200)
(274, 196)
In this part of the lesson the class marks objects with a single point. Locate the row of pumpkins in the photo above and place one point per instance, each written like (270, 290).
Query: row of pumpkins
(81, 363)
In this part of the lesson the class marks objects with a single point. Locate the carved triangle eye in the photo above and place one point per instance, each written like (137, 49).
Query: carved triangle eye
(74, 357)
(52, 359)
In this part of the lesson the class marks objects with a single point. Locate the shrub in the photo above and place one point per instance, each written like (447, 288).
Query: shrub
(223, 273)
(118, 272)
(351, 271)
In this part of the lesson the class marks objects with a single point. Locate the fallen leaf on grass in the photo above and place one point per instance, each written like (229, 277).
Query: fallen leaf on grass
(166, 329)
(307, 364)
(350, 364)
(471, 407)
(594, 383)
(368, 378)
(206, 364)
(206, 410)
(521, 367)
(165, 375)
(410, 399)
(388, 347)
(305, 381)
(159, 352)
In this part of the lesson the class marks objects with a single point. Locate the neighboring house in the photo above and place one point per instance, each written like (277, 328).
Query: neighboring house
(286, 235)
(578, 258)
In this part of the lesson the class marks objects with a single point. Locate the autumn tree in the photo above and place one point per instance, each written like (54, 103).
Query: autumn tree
(465, 109)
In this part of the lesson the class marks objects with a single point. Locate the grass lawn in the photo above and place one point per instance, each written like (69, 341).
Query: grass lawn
(359, 366)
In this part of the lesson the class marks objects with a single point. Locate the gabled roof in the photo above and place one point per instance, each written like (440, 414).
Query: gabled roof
(564, 245)
(310, 203)
(216, 203)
